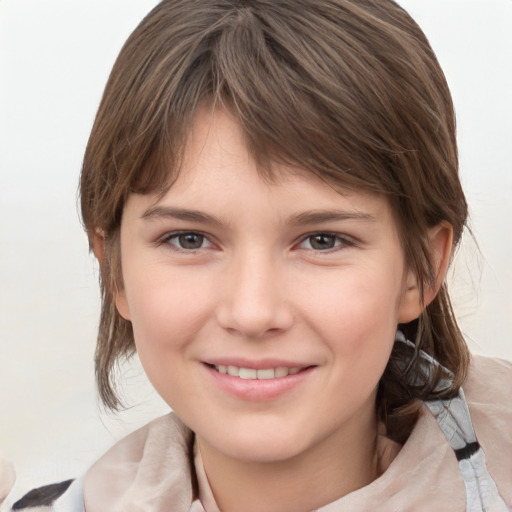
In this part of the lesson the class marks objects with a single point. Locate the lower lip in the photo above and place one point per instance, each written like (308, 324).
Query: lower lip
(256, 389)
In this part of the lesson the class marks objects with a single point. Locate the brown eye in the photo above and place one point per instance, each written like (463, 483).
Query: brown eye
(322, 241)
(188, 241)
(325, 242)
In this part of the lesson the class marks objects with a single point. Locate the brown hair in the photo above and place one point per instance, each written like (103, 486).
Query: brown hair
(348, 89)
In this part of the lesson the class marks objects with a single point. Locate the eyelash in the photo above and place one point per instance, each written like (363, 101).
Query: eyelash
(341, 241)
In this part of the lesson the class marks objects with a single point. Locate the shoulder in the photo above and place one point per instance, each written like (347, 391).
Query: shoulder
(489, 375)
(488, 390)
(152, 465)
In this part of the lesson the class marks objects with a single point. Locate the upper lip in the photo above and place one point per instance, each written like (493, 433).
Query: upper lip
(260, 364)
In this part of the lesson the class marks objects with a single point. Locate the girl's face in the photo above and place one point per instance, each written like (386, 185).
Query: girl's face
(292, 288)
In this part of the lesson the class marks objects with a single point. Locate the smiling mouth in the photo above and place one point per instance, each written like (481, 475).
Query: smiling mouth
(260, 374)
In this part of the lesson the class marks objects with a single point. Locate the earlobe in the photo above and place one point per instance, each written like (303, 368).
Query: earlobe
(122, 304)
(411, 305)
(98, 248)
(441, 245)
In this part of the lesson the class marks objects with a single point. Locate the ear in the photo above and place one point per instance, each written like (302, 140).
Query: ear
(98, 248)
(441, 244)
(97, 241)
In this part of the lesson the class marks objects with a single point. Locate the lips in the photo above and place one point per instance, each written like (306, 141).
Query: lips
(257, 381)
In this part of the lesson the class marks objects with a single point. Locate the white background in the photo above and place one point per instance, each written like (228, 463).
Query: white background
(55, 59)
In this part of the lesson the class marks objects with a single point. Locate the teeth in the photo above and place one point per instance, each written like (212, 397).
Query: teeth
(233, 371)
(248, 373)
(251, 373)
(281, 371)
(266, 374)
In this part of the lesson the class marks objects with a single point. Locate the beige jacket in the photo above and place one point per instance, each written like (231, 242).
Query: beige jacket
(152, 469)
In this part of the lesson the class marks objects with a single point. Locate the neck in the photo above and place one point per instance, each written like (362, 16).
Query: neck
(335, 466)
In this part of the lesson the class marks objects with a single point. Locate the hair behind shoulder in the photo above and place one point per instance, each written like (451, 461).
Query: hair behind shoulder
(348, 89)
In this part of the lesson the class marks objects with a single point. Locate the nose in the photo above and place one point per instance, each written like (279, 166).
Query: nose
(255, 302)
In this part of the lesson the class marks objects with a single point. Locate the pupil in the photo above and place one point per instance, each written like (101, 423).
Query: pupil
(322, 242)
(191, 241)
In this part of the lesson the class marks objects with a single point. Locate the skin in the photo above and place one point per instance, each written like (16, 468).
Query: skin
(291, 271)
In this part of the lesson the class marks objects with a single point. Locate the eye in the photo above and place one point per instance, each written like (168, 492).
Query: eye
(187, 241)
(323, 242)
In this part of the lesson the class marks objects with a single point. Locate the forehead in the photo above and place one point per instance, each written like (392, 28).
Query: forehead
(216, 143)
(218, 177)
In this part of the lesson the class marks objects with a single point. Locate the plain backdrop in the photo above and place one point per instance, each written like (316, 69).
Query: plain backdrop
(55, 59)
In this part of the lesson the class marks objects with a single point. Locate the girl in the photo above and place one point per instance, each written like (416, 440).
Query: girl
(271, 189)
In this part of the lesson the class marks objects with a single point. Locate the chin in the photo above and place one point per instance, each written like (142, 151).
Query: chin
(261, 445)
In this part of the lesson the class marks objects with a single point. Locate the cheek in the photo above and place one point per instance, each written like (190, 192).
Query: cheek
(358, 300)
(165, 317)
(165, 310)
(357, 319)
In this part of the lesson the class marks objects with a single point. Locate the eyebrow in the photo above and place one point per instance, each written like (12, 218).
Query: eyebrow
(319, 216)
(181, 214)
